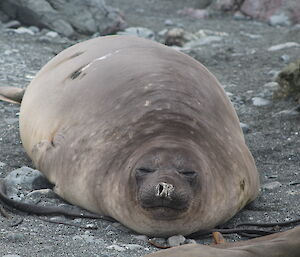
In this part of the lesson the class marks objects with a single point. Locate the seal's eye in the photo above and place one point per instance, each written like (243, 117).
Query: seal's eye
(188, 173)
(144, 170)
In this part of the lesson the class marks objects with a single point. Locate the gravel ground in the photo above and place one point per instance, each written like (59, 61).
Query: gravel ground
(242, 64)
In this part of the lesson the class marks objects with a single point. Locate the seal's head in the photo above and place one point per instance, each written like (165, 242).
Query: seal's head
(167, 180)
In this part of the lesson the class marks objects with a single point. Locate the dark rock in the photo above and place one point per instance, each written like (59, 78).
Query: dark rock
(289, 81)
(66, 17)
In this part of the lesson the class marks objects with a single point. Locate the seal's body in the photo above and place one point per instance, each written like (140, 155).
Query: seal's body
(132, 129)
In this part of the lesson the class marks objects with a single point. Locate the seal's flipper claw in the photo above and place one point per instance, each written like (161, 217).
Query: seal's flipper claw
(11, 94)
(218, 238)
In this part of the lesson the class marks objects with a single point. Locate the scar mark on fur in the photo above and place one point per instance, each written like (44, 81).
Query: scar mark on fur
(75, 74)
(99, 59)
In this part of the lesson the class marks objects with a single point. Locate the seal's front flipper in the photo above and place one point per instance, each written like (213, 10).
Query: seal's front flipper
(11, 94)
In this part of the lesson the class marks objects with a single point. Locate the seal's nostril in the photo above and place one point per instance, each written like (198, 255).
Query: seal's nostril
(160, 189)
(164, 190)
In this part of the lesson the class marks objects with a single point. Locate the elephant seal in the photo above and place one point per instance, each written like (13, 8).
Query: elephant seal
(285, 244)
(131, 129)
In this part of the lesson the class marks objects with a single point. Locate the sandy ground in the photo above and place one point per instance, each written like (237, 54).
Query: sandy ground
(242, 64)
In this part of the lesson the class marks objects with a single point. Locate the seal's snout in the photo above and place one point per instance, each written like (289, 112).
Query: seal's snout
(164, 190)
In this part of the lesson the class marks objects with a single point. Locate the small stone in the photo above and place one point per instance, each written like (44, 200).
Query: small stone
(52, 34)
(190, 241)
(169, 22)
(176, 240)
(159, 241)
(283, 46)
(141, 237)
(285, 58)
(240, 16)
(23, 30)
(139, 32)
(34, 29)
(116, 248)
(271, 186)
(280, 19)
(272, 176)
(244, 127)
(258, 101)
(133, 247)
(12, 24)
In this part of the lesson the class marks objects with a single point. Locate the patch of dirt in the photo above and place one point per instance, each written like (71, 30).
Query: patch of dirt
(241, 63)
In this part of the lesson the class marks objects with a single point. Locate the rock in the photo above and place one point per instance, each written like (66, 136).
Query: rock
(141, 237)
(23, 178)
(269, 89)
(244, 127)
(280, 12)
(52, 34)
(176, 240)
(2, 164)
(11, 255)
(159, 241)
(66, 17)
(194, 13)
(289, 81)
(116, 248)
(12, 24)
(280, 19)
(34, 29)
(285, 58)
(283, 46)
(175, 36)
(190, 241)
(139, 32)
(240, 16)
(271, 186)
(23, 30)
(169, 22)
(259, 101)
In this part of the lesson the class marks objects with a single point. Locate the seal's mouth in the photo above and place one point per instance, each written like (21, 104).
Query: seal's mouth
(164, 213)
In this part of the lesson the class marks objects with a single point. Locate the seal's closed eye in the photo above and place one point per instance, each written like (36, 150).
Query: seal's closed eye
(143, 170)
(188, 173)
